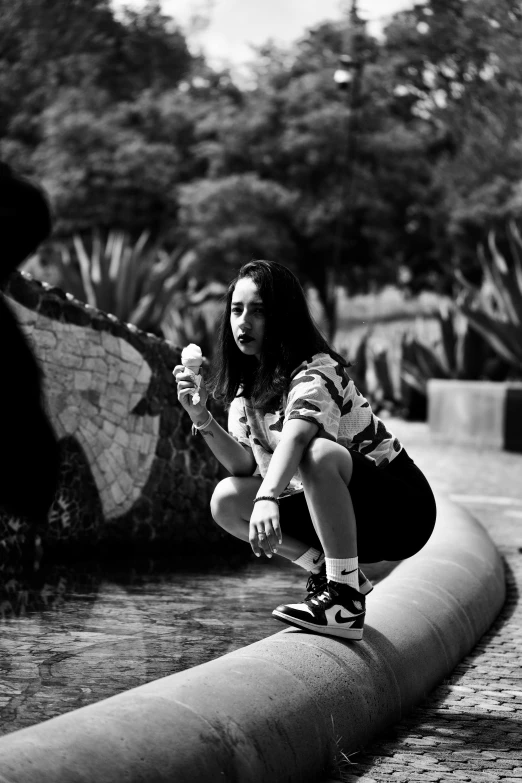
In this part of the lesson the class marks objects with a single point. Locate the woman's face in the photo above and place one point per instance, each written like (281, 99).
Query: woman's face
(247, 317)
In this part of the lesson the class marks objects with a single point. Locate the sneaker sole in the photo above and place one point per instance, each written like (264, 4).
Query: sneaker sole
(356, 634)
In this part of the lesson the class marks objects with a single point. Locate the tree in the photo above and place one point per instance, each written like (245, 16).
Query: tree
(459, 67)
(151, 52)
(50, 45)
(291, 129)
(230, 220)
(46, 44)
(116, 165)
(128, 131)
(86, 111)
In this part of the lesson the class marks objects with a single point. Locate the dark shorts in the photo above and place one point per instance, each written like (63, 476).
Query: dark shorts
(394, 509)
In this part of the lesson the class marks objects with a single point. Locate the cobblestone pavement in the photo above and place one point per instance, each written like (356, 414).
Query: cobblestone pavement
(470, 727)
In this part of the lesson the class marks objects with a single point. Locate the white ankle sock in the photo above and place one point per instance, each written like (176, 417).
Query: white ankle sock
(343, 570)
(312, 560)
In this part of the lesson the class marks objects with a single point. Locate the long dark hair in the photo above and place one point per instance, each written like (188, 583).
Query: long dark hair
(291, 336)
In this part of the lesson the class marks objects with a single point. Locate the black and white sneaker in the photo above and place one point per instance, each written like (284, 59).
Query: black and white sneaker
(338, 610)
(317, 582)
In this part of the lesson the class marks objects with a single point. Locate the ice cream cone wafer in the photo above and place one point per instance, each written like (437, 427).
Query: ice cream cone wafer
(194, 366)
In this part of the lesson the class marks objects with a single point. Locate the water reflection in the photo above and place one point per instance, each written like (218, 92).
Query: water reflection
(36, 587)
(75, 634)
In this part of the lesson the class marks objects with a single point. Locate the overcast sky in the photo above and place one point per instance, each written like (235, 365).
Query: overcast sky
(237, 24)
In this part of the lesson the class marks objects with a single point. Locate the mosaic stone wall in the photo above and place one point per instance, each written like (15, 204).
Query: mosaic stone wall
(132, 476)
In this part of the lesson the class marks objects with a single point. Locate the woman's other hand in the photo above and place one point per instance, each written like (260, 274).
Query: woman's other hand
(264, 531)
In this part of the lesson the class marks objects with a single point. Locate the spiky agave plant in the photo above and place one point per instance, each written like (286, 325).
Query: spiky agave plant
(495, 310)
(135, 281)
(460, 353)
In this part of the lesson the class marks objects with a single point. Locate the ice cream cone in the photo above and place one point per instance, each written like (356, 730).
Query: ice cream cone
(192, 359)
(194, 366)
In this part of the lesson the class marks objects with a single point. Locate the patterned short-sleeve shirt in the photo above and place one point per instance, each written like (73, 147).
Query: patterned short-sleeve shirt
(321, 392)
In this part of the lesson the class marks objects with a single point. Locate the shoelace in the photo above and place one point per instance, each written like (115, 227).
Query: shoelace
(321, 598)
(315, 583)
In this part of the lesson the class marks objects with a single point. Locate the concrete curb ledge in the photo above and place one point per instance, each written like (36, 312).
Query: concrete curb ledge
(273, 711)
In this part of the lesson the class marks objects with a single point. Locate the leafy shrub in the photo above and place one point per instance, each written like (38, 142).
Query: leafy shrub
(135, 281)
(193, 318)
(495, 309)
(460, 352)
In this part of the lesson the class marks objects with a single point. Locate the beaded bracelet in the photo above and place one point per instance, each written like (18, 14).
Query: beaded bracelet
(196, 428)
(266, 497)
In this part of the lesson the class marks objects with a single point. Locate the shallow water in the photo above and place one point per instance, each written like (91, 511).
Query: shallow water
(71, 635)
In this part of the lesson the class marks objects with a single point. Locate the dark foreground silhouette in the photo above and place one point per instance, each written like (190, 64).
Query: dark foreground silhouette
(28, 446)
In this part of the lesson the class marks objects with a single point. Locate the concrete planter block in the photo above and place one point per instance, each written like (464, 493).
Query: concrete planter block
(274, 711)
(483, 414)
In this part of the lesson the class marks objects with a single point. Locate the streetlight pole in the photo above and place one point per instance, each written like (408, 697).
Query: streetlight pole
(348, 77)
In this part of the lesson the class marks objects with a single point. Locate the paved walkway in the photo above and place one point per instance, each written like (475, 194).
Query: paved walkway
(470, 728)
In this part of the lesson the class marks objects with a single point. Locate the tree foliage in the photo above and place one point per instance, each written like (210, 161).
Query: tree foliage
(460, 67)
(236, 218)
(397, 181)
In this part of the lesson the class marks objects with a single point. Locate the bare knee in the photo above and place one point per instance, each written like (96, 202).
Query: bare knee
(224, 501)
(324, 458)
(231, 503)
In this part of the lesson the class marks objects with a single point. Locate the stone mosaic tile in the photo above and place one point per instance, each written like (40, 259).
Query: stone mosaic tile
(130, 468)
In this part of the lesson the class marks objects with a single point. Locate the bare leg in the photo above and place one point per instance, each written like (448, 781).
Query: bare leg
(231, 507)
(338, 607)
(326, 470)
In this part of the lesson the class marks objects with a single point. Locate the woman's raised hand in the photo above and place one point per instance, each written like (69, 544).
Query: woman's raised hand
(187, 387)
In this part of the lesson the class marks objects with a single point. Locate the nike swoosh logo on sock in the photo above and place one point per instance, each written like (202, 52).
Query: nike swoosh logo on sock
(345, 573)
(315, 560)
